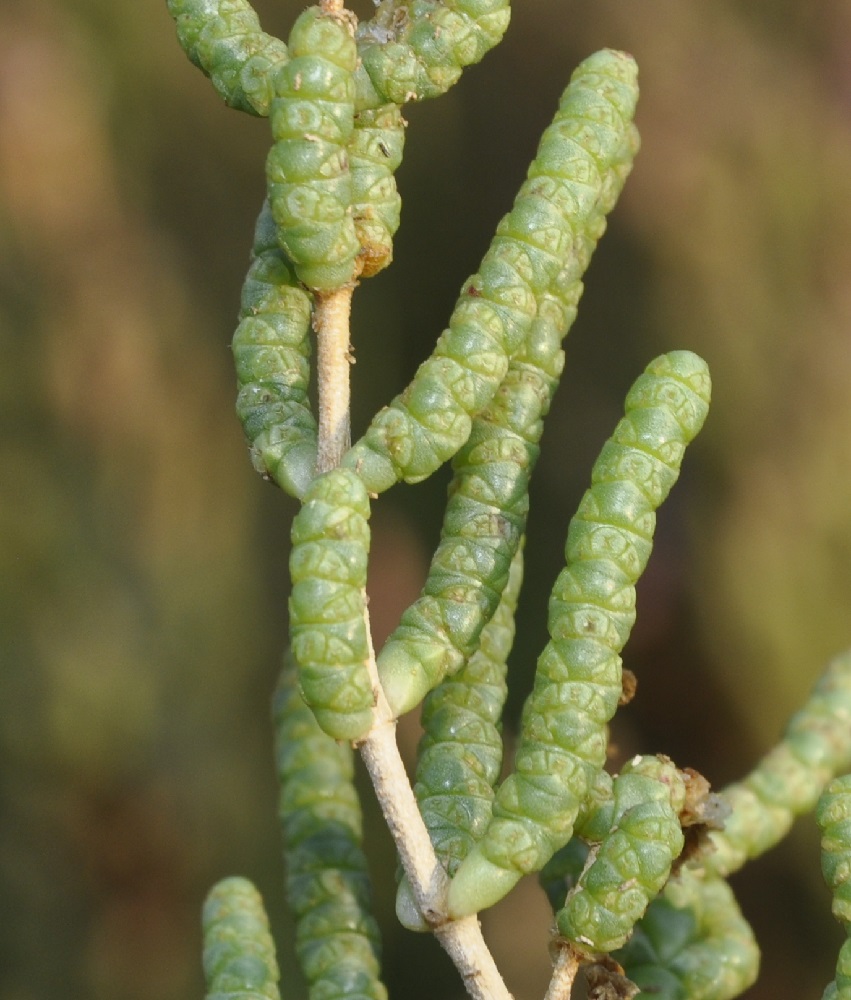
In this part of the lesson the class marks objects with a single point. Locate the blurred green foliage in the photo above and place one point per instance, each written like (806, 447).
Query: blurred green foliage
(143, 601)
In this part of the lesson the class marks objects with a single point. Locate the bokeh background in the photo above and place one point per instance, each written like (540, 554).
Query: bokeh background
(143, 592)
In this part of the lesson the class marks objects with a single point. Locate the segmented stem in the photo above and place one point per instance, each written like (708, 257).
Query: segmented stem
(488, 496)
(337, 939)
(541, 237)
(239, 954)
(632, 862)
(416, 49)
(307, 170)
(789, 779)
(375, 153)
(692, 944)
(833, 816)
(460, 754)
(271, 350)
(592, 609)
(328, 630)
(484, 521)
(224, 40)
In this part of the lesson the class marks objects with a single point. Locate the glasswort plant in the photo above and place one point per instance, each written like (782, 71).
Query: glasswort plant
(634, 864)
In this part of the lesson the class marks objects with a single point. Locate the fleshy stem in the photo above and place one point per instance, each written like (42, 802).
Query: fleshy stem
(333, 358)
(567, 958)
(461, 939)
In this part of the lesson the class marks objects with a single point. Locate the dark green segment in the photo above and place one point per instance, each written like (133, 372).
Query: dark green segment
(224, 40)
(692, 944)
(460, 753)
(239, 954)
(543, 241)
(271, 350)
(633, 861)
(328, 633)
(337, 940)
(563, 737)
(416, 49)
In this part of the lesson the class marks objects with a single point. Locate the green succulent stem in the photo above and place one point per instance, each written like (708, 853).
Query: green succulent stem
(327, 882)
(271, 353)
(693, 943)
(417, 49)
(788, 781)
(239, 954)
(627, 885)
(833, 815)
(632, 863)
(223, 38)
(540, 248)
(578, 682)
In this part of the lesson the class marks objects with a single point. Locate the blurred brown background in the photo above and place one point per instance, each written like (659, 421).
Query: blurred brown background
(144, 583)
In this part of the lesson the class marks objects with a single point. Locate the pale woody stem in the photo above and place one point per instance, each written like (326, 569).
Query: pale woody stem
(333, 358)
(428, 879)
(564, 973)
(461, 939)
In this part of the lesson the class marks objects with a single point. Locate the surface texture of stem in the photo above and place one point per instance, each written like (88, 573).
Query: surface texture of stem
(461, 939)
(428, 880)
(333, 357)
(564, 973)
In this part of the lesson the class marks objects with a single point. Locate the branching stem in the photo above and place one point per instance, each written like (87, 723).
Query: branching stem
(461, 939)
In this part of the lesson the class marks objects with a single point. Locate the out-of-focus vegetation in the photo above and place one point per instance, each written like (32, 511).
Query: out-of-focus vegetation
(143, 597)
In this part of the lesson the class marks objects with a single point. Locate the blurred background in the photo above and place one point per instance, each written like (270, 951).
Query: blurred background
(143, 603)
